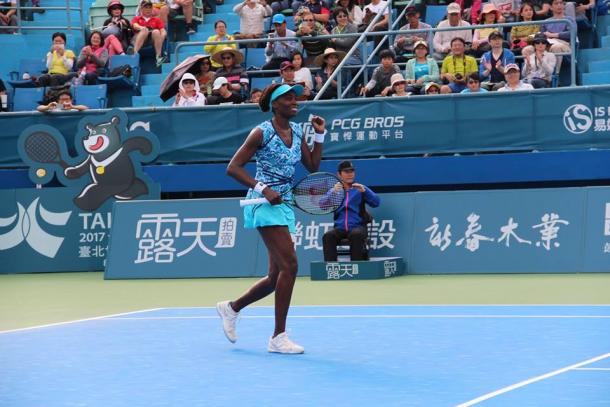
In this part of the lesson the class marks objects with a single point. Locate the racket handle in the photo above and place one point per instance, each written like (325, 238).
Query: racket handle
(253, 201)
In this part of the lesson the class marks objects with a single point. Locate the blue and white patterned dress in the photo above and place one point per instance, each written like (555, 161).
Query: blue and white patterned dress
(275, 166)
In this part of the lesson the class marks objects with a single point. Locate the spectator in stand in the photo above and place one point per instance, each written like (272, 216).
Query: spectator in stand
(280, 51)
(539, 67)
(344, 26)
(184, 7)
(520, 35)
(581, 9)
(8, 16)
(432, 88)
(442, 39)
(473, 84)
(421, 69)
(252, 15)
(470, 10)
(320, 11)
(188, 94)
(255, 95)
(93, 58)
(287, 74)
(205, 76)
(380, 83)
(557, 33)
(302, 74)
(231, 69)
(117, 30)
(160, 9)
(3, 97)
(62, 103)
(328, 63)
(59, 63)
(513, 82)
(147, 27)
(405, 43)
(509, 10)
(456, 67)
(491, 69)
(355, 13)
(223, 95)
(308, 30)
(480, 39)
(399, 85)
(542, 9)
(371, 10)
(221, 35)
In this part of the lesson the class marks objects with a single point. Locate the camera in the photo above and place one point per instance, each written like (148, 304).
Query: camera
(458, 76)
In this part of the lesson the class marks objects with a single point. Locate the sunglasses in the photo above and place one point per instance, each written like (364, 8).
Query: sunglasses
(308, 19)
(539, 42)
(115, 8)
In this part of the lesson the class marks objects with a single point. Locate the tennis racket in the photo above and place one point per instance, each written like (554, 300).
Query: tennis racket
(41, 147)
(318, 193)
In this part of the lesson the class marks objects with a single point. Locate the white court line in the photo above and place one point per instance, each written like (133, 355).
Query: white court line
(78, 320)
(532, 380)
(408, 305)
(592, 368)
(368, 316)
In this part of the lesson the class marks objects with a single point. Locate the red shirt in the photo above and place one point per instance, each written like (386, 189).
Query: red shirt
(153, 23)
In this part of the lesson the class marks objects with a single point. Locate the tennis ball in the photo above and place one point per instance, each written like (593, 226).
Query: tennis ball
(41, 172)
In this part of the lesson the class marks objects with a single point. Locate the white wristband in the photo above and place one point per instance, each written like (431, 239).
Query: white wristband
(319, 137)
(259, 187)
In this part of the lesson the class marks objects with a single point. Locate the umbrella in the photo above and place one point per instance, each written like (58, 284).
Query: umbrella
(169, 87)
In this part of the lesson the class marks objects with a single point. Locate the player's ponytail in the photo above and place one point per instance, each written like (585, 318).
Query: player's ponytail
(263, 102)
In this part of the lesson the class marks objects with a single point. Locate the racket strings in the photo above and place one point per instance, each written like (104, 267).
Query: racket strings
(42, 148)
(319, 194)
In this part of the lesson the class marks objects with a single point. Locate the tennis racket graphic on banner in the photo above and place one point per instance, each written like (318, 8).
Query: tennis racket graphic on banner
(41, 147)
(318, 193)
(44, 151)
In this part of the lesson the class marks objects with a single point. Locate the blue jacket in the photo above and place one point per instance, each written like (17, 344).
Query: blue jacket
(348, 215)
(507, 58)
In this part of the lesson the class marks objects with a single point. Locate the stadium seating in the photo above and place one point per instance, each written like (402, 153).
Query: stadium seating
(92, 96)
(30, 66)
(25, 99)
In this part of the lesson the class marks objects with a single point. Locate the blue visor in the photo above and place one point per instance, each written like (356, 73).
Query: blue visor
(282, 90)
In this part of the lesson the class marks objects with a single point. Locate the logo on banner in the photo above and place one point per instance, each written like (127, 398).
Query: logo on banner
(108, 162)
(26, 228)
(372, 129)
(577, 119)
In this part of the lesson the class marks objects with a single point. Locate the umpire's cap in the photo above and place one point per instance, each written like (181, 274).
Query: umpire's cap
(345, 165)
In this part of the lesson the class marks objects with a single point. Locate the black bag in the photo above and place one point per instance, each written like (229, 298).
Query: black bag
(123, 70)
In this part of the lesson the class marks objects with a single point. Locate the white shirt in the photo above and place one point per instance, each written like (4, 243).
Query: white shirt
(376, 8)
(251, 20)
(304, 75)
(197, 100)
(521, 86)
(442, 39)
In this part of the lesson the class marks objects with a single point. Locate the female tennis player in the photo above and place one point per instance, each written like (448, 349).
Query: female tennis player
(277, 145)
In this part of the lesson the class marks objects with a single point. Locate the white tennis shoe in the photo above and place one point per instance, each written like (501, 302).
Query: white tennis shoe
(281, 344)
(229, 320)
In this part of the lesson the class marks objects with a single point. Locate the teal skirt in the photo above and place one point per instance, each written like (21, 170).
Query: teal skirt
(256, 216)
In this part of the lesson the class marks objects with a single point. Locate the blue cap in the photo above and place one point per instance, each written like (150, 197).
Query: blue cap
(282, 90)
(278, 19)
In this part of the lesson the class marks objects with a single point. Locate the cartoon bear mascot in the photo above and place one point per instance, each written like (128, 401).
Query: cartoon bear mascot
(108, 162)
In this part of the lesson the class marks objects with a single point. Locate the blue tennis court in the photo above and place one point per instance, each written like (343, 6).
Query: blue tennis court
(354, 356)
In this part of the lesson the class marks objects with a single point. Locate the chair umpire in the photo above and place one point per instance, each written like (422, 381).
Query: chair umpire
(351, 218)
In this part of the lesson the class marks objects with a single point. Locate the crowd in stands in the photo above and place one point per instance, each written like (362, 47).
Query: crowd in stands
(469, 60)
